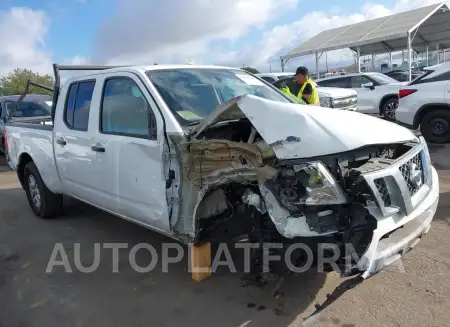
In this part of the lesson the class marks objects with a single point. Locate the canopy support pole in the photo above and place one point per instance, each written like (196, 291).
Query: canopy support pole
(426, 49)
(409, 57)
(317, 65)
(358, 59)
(390, 60)
(437, 53)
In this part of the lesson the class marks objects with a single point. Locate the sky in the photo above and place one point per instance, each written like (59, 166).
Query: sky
(36, 33)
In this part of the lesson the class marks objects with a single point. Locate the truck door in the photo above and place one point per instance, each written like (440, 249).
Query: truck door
(83, 173)
(126, 112)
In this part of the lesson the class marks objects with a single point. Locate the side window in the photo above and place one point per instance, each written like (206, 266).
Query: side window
(30, 109)
(1, 110)
(357, 82)
(78, 105)
(268, 79)
(439, 78)
(124, 109)
(335, 82)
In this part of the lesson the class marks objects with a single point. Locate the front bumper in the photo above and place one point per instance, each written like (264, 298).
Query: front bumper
(397, 234)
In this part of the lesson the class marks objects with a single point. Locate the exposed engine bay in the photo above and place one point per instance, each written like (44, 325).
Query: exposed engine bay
(246, 191)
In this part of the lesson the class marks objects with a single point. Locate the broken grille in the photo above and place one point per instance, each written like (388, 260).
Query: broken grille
(384, 192)
(407, 169)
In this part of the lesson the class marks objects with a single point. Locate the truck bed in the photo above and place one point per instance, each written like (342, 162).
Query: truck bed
(35, 140)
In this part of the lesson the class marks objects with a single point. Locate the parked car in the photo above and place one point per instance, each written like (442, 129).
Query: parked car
(377, 93)
(425, 103)
(331, 97)
(208, 154)
(33, 105)
(402, 75)
(273, 77)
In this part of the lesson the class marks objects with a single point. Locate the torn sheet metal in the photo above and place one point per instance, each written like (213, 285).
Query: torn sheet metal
(286, 225)
(295, 130)
(253, 199)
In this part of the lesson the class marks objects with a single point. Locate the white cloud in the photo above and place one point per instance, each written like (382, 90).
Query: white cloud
(281, 39)
(178, 30)
(181, 31)
(22, 34)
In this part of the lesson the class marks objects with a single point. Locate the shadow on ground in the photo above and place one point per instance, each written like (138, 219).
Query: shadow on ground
(31, 297)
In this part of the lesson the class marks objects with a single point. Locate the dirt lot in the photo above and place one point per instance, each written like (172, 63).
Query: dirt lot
(420, 296)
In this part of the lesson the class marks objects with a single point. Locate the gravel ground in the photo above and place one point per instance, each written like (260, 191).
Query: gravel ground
(419, 296)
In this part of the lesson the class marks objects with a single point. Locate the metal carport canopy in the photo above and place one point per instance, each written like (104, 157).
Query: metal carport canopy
(426, 26)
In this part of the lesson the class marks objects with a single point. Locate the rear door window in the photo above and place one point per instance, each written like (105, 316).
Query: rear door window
(423, 78)
(335, 82)
(78, 105)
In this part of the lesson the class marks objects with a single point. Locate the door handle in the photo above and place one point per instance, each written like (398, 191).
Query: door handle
(61, 141)
(98, 148)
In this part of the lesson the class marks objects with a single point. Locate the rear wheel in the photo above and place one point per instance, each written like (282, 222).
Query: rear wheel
(389, 107)
(435, 126)
(43, 202)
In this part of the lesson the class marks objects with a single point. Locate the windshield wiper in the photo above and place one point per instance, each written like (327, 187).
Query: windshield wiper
(194, 123)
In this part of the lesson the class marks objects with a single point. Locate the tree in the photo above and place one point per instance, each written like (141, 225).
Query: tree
(15, 82)
(251, 70)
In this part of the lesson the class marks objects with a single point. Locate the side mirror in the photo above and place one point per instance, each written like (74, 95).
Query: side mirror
(369, 85)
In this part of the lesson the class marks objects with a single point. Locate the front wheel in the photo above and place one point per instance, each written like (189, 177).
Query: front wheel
(389, 108)
(43, 202)
(435, 126)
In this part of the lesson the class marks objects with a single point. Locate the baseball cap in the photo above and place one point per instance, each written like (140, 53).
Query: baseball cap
(302, 70)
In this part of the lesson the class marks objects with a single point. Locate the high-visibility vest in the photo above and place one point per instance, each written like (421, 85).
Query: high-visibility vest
(313, 99)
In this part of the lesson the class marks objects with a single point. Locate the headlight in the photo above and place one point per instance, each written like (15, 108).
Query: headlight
(326, 102)
(306, 184)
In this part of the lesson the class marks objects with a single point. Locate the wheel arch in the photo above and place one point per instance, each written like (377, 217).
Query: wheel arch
(24, 159)
(425, 109)
(386, 98)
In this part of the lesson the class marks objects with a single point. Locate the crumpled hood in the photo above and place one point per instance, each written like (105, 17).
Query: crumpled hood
(302, 131)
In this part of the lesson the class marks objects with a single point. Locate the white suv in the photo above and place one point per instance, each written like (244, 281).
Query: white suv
(377, 93)
(425, 102)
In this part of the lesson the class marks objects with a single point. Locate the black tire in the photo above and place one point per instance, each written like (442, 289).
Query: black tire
(435, 126)
(44, 203)
(388, 108)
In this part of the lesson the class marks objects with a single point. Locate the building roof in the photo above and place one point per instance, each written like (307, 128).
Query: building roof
(427, 25)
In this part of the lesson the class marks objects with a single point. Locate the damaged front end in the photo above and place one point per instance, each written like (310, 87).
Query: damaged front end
(237, 185)
(275, 173)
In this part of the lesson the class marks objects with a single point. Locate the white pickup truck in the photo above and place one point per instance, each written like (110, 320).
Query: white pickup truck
(206, 153)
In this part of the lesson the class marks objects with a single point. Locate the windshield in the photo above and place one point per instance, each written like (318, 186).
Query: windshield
(192, 94)
(382, 79)
(28, 109)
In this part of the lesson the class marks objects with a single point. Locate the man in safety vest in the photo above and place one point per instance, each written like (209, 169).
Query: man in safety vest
(304, 91)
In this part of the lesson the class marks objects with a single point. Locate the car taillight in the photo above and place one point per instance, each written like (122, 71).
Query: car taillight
(405, 92)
